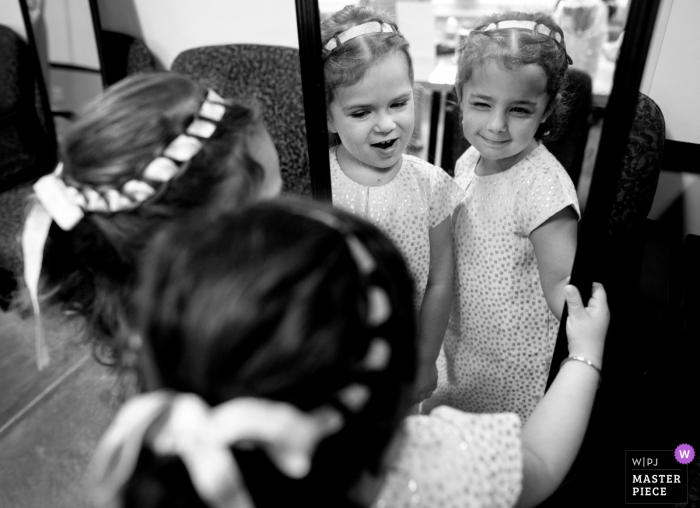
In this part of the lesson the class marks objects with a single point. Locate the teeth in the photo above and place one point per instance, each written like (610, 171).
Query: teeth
(384, 144)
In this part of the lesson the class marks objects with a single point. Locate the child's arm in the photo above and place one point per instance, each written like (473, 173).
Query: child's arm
(553, 434)
(435, 308)
(555, 246)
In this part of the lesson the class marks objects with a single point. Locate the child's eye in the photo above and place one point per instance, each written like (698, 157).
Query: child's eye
(399, 104)
(359, 114)
(480, 105)
(521, 111)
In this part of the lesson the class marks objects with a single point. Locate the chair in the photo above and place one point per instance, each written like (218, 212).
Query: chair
(269, 76)
(635, 194)
(27, 139)
(28, 146)
(124, 55)
(570, 146)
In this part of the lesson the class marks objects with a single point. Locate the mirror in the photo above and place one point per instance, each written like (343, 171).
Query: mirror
(63, 34)
(615, 82)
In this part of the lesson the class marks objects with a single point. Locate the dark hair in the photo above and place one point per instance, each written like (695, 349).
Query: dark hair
(268, 302)
(513, 48)
(348, 63)
(92, 268)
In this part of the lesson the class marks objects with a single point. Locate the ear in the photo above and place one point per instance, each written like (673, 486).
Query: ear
(331, 126)
(547, 112)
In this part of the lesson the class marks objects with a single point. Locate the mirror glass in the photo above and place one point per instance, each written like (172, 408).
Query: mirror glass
(68, 54)
(593, 33)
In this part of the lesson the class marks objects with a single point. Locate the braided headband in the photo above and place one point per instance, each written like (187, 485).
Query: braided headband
(371, 27)
(65, 204)
(183, 425)
(527, 25)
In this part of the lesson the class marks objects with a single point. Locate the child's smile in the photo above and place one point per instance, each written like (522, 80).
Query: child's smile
(501, 112)
(374, 118)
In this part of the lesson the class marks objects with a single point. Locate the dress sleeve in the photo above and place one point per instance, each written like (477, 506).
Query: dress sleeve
(549, 191)
(445, 195)
(453, 459)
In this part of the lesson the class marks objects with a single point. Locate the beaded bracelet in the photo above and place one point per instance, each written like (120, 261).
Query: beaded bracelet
(587, 362)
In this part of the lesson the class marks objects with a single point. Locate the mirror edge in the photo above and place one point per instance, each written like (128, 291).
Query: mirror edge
(312, 82)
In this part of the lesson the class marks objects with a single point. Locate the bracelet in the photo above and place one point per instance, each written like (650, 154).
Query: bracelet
(587, 362)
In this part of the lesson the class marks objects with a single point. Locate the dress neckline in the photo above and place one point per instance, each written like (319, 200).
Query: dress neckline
(336, 165)
(477, 157)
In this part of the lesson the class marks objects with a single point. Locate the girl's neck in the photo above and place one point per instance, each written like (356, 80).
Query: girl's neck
(364, 174)
(487, 167)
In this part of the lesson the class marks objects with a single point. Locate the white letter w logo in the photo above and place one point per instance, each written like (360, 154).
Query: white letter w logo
(685, 454)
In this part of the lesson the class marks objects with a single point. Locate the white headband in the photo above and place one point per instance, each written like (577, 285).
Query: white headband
(528, 25)
(371, 27)
(58, 201)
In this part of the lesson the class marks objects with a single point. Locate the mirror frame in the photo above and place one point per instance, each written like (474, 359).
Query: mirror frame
(617, 123)
(40, 78)
(312, 83)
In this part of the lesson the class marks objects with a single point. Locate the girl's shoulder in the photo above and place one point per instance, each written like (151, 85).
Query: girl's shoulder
(542, 160)
(466, 162)
(542, 166)
(413, 163)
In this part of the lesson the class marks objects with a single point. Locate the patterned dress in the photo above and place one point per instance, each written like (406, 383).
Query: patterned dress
(418, 198)
(501, 334)
(452, 459)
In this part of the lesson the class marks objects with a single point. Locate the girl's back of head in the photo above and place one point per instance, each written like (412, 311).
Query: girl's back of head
(279, 302)
(514, 47)
(91, 267)
(348, 62)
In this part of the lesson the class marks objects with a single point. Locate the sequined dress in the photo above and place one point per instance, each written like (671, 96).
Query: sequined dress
(501, 333)
(417, 199)
(452, 459)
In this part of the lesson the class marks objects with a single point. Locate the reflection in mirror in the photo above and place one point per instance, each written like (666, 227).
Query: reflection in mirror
(597, 34)
(436, 30)
(593, 32)
(68, 52)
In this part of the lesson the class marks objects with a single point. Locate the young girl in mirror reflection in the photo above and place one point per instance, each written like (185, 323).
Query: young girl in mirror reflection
(515, 233)
(369, 94)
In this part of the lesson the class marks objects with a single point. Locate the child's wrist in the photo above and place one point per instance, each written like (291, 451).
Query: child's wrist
(584, 361)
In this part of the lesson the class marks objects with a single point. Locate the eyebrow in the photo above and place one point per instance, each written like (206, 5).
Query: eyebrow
(489, 98)
(401, 97)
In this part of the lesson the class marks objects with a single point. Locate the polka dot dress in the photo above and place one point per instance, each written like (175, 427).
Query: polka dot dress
(417, 199)
(501, 334)
(452, 459)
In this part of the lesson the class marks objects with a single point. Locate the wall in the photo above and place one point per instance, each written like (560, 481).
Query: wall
(671, 79)
(11, 16)
(171, 26)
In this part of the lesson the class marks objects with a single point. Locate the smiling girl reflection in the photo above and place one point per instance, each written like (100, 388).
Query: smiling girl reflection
(369, 93)
(515, 236)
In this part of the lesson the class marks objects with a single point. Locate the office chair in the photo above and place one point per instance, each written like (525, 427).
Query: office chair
(269, 76)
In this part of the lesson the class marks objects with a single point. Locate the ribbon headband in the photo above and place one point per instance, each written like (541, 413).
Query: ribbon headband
(66, 204)
(527, 25)
(182, 424)
(371, 27)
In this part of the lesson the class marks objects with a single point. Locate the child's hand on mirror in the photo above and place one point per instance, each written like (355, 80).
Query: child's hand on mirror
(586, 327)
(427, 382)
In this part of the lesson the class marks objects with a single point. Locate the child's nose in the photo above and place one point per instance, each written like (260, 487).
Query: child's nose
(384, 123)
(497, 122)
